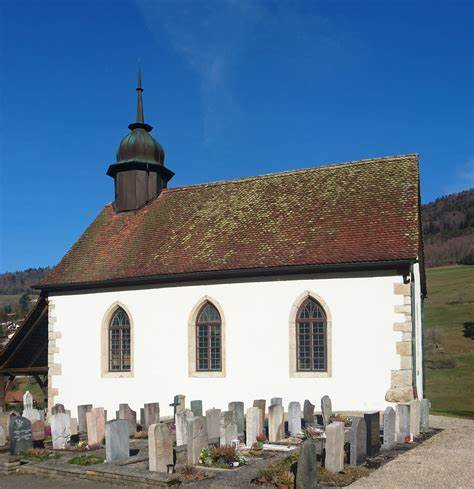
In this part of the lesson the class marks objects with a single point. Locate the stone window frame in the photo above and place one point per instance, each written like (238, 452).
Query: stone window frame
(104, 342)
(192, 321)
(294, 372)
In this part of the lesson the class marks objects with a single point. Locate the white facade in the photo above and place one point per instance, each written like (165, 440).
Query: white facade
(256, 320)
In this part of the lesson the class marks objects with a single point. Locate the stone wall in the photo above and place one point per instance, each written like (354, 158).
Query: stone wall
(401, 388)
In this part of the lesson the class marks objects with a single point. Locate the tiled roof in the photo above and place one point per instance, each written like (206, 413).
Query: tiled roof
(361, 211)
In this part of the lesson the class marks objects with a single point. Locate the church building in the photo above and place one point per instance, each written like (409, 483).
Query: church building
(294, 284)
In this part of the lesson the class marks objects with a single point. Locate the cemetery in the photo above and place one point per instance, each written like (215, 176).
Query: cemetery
(293, 445)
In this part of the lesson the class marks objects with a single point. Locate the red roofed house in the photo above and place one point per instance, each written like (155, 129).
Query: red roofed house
(293, 284)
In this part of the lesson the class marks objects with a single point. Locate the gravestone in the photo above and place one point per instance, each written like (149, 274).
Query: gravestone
(253, 427)
(160, 448)
(178, 403)
(142, 418)
(415, 417)
(424, 415)
(74, 426)
(307, 469)
(261, 404)
(125, 412)
(389, 419)
(237, 407)
(276, 424)
(3, 437)
(28, 411)
(95, 421)
(276, 401)
(213, 417)
(294, 418)
(37, 430)
(151, 414)
(402, 422)
(326, 410)
(117, 440)
(196, 438)
(196, 407)
(21, 439)
(81, 416)
(58, 408)
(335, 447)
(372, 422)
(60, 430)
(181, 426)
(308, 413)
(358, 449)
(228, 428)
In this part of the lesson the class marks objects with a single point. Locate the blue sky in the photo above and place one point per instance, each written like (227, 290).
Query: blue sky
(233, 88)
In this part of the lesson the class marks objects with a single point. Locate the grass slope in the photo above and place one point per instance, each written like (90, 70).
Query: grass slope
(449, 305)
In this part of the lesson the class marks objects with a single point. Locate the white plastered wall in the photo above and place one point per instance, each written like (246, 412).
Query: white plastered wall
(418, 343)
(256, 318)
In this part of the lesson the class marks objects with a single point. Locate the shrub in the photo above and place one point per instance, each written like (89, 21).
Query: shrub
(86, 460)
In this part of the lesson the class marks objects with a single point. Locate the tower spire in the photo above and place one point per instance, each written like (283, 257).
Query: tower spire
(140, 118)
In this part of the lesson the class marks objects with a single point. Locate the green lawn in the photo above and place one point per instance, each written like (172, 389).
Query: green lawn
(450, 304)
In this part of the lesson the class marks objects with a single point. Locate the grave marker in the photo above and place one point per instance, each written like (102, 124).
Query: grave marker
(294, 418)
(21, 439)
(37, 430)
(237, 407)
(308, 413)
(117, 440)
(95, 420)
(181, 426)
(81, 416)
(276, 423)
(253, 426)
(326, 410)
(196, 438)
(402, 422)
(60, 430)
(58, 408)
(372, 422)
(335, 447)
(228, 428)
(358, 450)
(213, 417)
(160, 448)
(3, 438)
(151, 414)
(196, 407)
(415, 417)
(261, 404)
(125, 412)
(307, 471)
(389, 421)
(28, 411)
(276, 401)
(424, 415)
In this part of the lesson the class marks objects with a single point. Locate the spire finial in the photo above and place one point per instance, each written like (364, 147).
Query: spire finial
(140, 118)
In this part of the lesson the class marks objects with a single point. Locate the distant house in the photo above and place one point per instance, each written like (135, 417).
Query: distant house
(293, 284)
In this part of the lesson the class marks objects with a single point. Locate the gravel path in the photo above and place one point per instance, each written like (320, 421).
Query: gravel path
(444, 461)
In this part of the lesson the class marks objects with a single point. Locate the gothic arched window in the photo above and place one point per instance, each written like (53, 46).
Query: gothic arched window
(119, 342)
(208, 339)
(311, 337)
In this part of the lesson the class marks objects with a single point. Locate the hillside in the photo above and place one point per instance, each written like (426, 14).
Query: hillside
(13, 283)
(448, 229)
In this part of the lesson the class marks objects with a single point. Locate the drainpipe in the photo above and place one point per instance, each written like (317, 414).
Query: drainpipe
(413, 331)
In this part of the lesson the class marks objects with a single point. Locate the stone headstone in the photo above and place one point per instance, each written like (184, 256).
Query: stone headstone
(28, 411)
(125, 412)
(37, 430)
(253, 425)
(261, 404)
(237, 407)
(308, 413)
(151, 414)
(307, 469)
(276, 424)
(81, 416)
(213, 417)
(402, 422)
(95, 420)
(21, 439)
(294, 418)
(389, 419)
(326, 409)
(358, 450)
(142, 417)
(181, 426)
(228, 428)
(335, 447)
(415, 415)
(179, 403)
(196, 437)
(74, 426)
(196, 407)
(3, 437)
(160, 448)
(424, 415)
(60, 430)
(276, 401)
(58, 408)
(117, 440)
(372, 422)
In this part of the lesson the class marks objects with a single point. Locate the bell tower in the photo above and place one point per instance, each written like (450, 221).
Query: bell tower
(139, 173)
